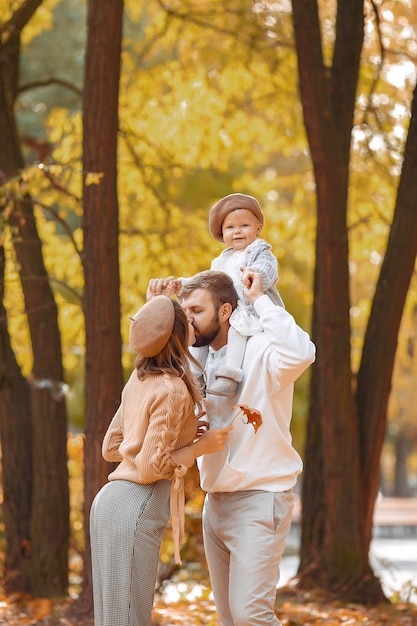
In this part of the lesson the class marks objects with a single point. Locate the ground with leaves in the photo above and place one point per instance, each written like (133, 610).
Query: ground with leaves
(184, 597)
(293, 609)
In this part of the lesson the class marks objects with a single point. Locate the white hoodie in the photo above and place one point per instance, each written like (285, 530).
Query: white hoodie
(262, 459)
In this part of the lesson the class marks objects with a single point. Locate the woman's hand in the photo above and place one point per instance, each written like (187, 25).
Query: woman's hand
(212, 441)
(202, 428)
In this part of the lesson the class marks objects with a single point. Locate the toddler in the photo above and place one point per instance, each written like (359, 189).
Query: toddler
(237, 220)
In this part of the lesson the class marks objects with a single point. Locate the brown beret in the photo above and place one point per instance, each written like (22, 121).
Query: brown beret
(230, 203)
(152, 326)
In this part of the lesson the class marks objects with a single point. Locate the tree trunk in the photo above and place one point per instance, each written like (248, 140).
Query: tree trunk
(332, 548)
(104, 375)
(49, 524)
(48, 567)
(16, 443)
(338, 423)
(15, 410)
(380, 343)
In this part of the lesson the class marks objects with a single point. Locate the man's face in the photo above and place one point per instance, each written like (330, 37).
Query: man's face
(201, 313)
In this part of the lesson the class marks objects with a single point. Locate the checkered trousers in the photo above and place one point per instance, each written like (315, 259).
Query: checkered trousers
(127, 521)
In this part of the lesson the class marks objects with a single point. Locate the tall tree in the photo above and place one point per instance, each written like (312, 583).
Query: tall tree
(47, 544)
(16, 442)
(104, 376)
(347, 418)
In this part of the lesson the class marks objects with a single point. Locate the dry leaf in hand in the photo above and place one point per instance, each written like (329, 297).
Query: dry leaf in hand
(253, 415)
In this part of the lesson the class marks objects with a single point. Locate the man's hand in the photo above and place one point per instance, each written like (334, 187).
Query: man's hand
(253, 284)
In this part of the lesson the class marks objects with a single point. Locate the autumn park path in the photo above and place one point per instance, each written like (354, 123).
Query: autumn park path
(389, 512)
(393, 551)
(396, 512)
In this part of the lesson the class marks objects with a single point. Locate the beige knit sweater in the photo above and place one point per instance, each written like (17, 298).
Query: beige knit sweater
(149, 436)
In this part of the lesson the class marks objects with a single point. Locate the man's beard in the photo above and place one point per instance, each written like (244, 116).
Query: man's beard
(206, 337)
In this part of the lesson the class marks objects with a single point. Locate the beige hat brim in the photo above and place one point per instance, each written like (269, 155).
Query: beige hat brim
(152, 326)
(230, 203)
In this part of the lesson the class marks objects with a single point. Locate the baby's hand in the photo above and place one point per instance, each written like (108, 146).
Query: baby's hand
(163, 286)
(253, 284)
(172, 288)
(157, 286)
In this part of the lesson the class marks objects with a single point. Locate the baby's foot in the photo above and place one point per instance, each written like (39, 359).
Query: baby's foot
(227, 381)
(223, 387)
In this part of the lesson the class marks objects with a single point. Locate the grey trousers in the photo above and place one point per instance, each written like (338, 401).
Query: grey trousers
(127, 521)
(244, 537)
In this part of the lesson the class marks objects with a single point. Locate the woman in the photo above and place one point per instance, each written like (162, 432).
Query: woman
(153, 437)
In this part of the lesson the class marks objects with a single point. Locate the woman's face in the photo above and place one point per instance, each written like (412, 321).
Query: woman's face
(191, 334)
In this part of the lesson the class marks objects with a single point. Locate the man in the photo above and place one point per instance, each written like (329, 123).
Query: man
(249, 484)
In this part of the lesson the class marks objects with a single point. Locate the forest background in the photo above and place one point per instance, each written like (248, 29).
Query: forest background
(112, 151)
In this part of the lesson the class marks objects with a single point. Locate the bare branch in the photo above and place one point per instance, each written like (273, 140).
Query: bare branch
(62, 222)
(51, 81)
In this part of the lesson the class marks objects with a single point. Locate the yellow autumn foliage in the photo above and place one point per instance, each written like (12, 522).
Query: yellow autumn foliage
(41, 21)
(202, 114)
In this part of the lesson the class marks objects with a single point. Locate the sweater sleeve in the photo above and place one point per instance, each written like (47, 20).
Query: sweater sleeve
(291, 350)
(156, 458)
(263, 260)
(113, 438)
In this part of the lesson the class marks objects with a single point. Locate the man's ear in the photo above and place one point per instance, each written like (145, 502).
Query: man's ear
(225, 311)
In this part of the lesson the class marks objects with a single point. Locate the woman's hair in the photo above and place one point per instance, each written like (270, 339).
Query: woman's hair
(174, 357)
(219, 284)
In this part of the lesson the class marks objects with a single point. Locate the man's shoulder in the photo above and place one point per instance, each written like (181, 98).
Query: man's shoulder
(258, 339)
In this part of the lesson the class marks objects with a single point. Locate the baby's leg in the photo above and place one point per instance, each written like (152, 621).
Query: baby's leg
(229, 375)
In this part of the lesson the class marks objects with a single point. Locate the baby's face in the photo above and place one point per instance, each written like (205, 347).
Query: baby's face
(240, 228)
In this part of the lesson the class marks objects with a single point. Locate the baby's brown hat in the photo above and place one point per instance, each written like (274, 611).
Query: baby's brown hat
(152, 326)
(230, 203)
